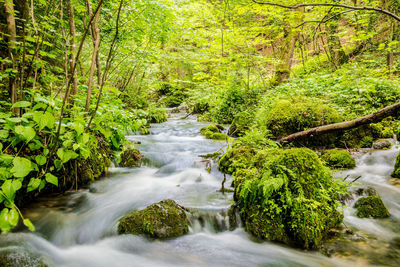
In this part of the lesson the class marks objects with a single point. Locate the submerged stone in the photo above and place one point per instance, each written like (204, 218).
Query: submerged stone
(20, 258)
(338, 159)
(371, 206)
(161, 220)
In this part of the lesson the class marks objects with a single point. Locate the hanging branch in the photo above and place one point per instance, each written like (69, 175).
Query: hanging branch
(364, 8)
(107, 65)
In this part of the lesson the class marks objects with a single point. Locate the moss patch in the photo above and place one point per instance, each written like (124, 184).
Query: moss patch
(338, 159)
(165, 219)
(284, 195)
(371, 206)
(131, 158)
(17, 258)
(396, 171)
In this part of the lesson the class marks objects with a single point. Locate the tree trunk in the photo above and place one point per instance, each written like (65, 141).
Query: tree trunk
(12, 39)
(338, 56)
(74, 71)
(341, 126)
(96, 39)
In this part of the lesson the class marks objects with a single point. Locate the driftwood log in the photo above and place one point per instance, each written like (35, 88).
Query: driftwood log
(341, 126)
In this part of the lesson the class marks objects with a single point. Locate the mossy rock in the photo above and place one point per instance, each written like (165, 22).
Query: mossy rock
(287, 196)
(338, 159)
(216, 136)
(396, 171)
(235, 159)
(213, 128)
(382, 143)
(162, 220)
(200, 107)
(131, 158)
(287, 116)
(20, 258)
(371, 206)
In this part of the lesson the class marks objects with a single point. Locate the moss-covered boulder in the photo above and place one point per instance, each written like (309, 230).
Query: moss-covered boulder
(213, 131)
(396, 171)
(287, 116)
(338, 159)
(131, 158)
(165, 219)
(20, 258)
(371, 206)
(236, 158)
(288, 196)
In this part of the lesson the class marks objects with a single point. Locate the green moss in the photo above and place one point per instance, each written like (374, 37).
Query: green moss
(210, 128)
(131, 158)
(241, 123)
(371, 206)
(165, 219)
(396, 171)
(235, 159)
(288, 196)
(287, 116)
(218, 136)
(338, 159)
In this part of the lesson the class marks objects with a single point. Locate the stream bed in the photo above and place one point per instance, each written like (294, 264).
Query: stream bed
(80, 228)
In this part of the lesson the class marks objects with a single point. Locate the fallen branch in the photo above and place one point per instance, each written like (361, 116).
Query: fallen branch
(341, 126)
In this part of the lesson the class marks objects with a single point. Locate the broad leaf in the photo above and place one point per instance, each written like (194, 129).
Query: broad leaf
(21, 167)
(50, 178)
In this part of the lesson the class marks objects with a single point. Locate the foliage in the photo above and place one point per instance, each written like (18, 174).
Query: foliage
(33, 158)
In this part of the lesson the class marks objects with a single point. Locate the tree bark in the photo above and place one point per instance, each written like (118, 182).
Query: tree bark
(96, 40)
(341, 126)
(12, 45)
(74, 71)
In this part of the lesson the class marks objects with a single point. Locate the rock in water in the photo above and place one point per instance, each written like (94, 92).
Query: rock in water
(371, 206)
(16, 257)
(161, 220)
(131, 158)
(382, 144)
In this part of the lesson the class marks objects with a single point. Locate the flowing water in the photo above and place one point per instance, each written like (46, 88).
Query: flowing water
(80, 228)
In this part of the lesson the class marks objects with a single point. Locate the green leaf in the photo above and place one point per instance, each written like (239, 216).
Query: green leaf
(21, 104)
(25, 131)
(51, 179)
(13, 217)
(4, 134)
(8, 190)
(4, 224)
(33, 184)
(66, 155)
(40, 160)
(78, 127)
(58, 164)
(29, 224)
(44, 119)
(21, 167)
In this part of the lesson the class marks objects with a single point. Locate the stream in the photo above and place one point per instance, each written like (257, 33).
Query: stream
(80, 228)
